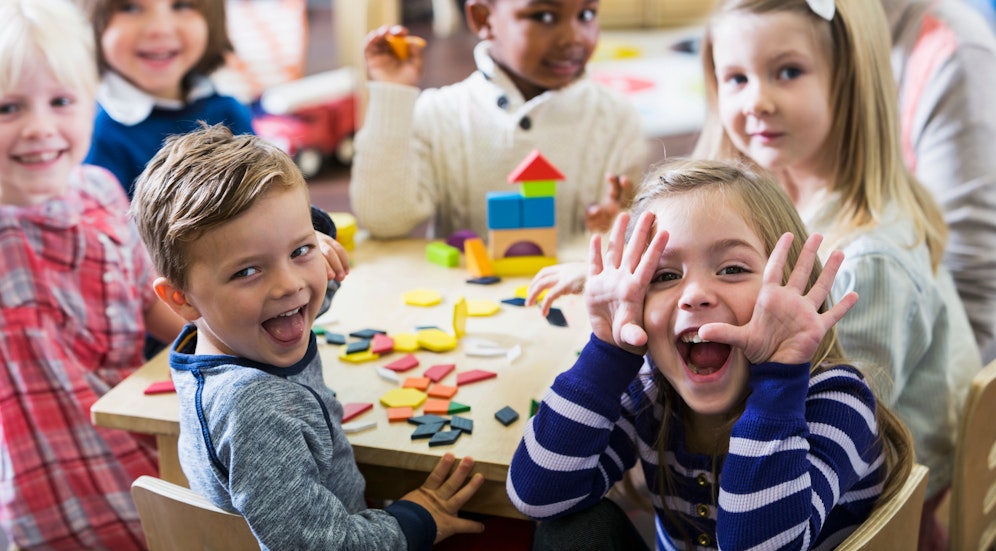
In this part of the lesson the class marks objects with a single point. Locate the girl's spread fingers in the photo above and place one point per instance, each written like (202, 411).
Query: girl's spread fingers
(638, 242)
(652, 256)
(617, 241)
(776, 262)
(824, 284)
(799, 277)
(595, 255)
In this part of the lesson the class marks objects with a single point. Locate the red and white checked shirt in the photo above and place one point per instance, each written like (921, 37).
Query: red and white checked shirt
(74, 282)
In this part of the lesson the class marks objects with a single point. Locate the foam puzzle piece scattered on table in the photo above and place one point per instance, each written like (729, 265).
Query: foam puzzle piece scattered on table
(506, 415)
(484, 280)
(399, 414)
(367, 333)
(318, 330)
(473, 376)
(436, 405)
(420, 383)
(403, 397)
(444, 438)
(513, 353)
(422, 297)
(358, 426)
(405, 342)
(514, 301)
(442, 391)
(523, 291)
(460, 313)
(358, 346)
(404, 363)
(427, 430)
(481, 308)
(457, 407)
(427, 419)
(556, 317)
(335, 338)
(438, 372)
(381, 344)
(462, 424)
(353, 409)
(160, 387)
(387, 374)
(533, 407)
(436, 340)
(356, 357)
(483, 348)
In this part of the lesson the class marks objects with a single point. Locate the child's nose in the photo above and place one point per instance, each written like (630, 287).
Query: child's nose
(40, 124)
(161, 18)
(287, 282)
(695, 295)
(758, 100)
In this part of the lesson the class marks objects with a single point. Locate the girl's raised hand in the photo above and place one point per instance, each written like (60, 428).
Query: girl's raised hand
(617, 284)
(383, 62)
(786, 326)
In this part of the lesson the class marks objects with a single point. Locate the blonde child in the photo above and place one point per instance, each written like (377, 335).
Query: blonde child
(806, 91)
(76, 296)
(260, 433)
(713, 366)
(155, 57)
(433, 156)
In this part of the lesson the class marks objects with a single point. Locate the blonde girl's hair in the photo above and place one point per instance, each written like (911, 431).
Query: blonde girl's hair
(199, 181)
(52, 32)
(769, 212)
(864, 137)
(219, 44)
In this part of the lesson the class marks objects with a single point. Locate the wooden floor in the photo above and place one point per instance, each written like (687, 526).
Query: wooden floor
(448, 60)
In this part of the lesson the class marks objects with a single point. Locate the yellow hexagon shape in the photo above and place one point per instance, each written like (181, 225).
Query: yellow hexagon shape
(523, 291)
(403, 397)
(436, 340)
(482, 307)
(405, 342)
(422, 297)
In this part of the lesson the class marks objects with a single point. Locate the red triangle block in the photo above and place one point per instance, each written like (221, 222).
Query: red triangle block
(534, 167)
(406, 362)
(381, 344)
(353, 409)
(436, 373)
(473, 376)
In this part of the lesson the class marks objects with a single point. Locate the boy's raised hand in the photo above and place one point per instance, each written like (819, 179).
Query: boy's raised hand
(617, 284)
(384, 64)
(336, 257)
(786, 326)
(444, 493)
(598, 218)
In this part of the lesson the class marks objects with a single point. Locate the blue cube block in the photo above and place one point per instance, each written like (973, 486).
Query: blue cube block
(538, 212)
(504, 210)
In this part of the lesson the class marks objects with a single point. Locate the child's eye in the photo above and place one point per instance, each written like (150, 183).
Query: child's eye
(62, 101)
(663, 277)
(733, 270)
(8, 108)
(128, 7)
(184, 6)
(736, 79)
(301, 251)
(545, 17)
(587, 15)
(789, 73)
(244, 273)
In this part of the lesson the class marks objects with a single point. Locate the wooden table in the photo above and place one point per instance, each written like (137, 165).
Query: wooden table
(371, 297)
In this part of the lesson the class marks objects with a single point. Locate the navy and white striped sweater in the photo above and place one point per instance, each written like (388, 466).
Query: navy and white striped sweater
(804, 467)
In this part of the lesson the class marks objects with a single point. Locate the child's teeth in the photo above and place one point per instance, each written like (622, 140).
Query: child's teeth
(288, 314)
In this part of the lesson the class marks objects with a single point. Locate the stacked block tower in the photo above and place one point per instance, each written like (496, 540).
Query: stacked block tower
(522, 225)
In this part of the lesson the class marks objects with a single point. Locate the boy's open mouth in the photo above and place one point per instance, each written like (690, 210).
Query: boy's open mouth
(287, 327)
(702, 357)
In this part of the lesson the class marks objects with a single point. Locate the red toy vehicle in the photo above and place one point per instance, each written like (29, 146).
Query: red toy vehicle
(311, 119)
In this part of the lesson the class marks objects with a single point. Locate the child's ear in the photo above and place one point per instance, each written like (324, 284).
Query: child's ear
(478, 13)
(176, 299)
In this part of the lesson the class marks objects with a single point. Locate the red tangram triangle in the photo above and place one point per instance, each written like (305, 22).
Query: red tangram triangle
(534, 167)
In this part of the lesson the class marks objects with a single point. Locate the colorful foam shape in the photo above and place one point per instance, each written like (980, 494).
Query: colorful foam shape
(473, 376)
(462, 424)
(404, 363)
(399, 414)
(160, 387)
(402, 397)
(482, 308)
(422, 297)
(457, 407)
(486, 280)
(556, 317)
(367, 333)
(358, 426)
(420, 383)
(534, 167)
(387, 374)
(539, 188)
(427, 419)
(478, 260)
(427, 430)
(457, 238)
(438, 372)
(356, 357)
(444, 438)
(353, 409)
(335, 338)
(506, 415)
(442, 254)
(358, 346)
(436, 405)
(381, 344)
(514, 301)
(504, 210)
(460, 312)
(318, 330)
(436, 340)
(405, 342)
(519, 266)
(441, 391)
(538, 212)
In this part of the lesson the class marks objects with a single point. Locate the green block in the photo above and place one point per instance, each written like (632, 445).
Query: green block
(457, 407)
(440, 253)
(533, 407)
(539, 188)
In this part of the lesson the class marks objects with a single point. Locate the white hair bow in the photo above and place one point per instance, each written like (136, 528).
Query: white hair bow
(822, 8)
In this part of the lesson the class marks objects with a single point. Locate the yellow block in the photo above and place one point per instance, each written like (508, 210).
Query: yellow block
(481, 308)
(403, 397)
(512, 266)
(345, 228)
(356, 357)
(405, 342)
(422, 297)
(436, 340)
(460, 314)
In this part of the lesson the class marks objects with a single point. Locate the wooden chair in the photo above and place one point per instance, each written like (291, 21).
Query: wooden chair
(973, 487)
(893, 524)
(175, 518)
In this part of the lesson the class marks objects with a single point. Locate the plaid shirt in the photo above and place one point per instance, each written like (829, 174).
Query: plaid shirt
(74, 281)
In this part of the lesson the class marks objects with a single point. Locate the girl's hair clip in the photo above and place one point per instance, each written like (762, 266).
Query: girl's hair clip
(822, 8)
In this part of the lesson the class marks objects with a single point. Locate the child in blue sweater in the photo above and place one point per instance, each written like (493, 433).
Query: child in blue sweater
(260, 433)
(714, 365)
(155, 57)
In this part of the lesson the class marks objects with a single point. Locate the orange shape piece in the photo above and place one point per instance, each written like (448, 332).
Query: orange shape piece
(420, 383)
(404, 363)
(437, 406)
(442, 391)
(399, 44)
(399, 414)
(473, 376)
(478, 261)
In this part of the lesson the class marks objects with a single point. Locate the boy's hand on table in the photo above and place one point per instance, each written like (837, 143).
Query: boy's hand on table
(336, 257)
(444, 493)
(598, 218)
(382, 59)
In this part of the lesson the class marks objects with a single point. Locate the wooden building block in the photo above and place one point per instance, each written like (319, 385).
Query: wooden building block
(522, 266)
(442, 254)
(539, 212)
(500, 241)
(478, 261)
(504, 210)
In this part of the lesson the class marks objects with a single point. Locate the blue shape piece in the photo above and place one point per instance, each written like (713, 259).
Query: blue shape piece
(358, 346)
(504, 210)
(486, 280)
(444, 438)
(335, 338)
(427, 431)
(462, 424)
(556, 317)
(367, 333)
(421, 327)
(514, 301)
(506, 416)
(538, 212)
(427, 419)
